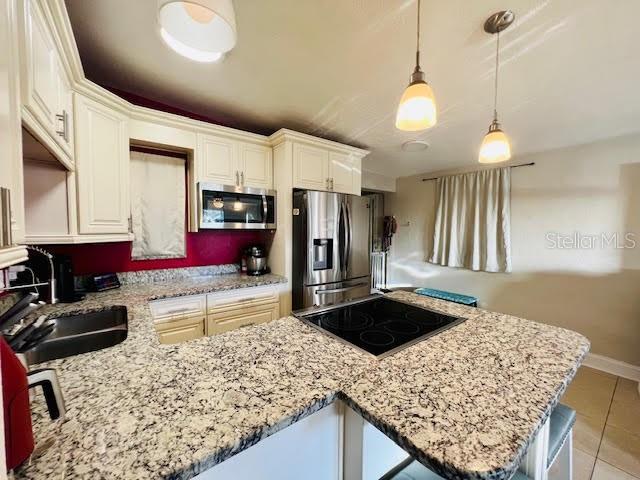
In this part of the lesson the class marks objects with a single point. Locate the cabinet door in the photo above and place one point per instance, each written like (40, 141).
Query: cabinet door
(181, 330)
(341, 172)
(310, 167)
(256, 166)
(39, 86)
(218, 158)
(241, 317)
(102, 164)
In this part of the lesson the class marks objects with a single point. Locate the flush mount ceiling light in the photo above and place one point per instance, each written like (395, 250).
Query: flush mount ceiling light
(201, 30)
(417, 109)
(415, 146)
(495, 147)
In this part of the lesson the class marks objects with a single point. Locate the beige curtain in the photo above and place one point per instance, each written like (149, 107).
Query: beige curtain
(158, 206)
(472, 226)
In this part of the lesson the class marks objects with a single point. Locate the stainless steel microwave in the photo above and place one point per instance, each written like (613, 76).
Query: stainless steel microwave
(226, 207)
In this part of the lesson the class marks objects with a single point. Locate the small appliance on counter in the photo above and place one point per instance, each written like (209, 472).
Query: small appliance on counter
(66, 283)
(103, 281)
(255, 259)
(16, 382)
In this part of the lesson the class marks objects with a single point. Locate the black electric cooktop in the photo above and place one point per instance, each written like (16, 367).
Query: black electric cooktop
(378, 325)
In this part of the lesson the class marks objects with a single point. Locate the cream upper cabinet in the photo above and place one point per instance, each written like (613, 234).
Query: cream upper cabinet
(45, 87)
(218, 159)
(310, 167)
(341, 172)
(318, 168)
(39, 87)
(102, 164)
(232, 162)
(255, 166)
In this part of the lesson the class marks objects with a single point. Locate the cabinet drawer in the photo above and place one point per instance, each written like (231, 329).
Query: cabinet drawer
(241, 317)
(181, 330)
(246, 297)
(178, 307)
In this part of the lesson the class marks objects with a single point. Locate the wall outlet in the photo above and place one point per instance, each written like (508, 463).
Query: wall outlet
(14, 271)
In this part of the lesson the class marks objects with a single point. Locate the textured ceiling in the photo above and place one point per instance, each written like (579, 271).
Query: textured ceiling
(337, 68)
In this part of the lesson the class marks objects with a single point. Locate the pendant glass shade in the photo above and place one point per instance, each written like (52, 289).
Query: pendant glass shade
(201, 30)
(495, 147)
(417, 109)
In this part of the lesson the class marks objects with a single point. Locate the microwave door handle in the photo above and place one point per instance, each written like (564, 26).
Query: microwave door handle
(264, 210)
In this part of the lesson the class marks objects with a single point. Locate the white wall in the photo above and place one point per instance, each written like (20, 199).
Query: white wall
(590, 189)
(377, 182)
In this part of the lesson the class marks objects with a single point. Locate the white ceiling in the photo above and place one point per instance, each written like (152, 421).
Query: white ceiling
(337, 68)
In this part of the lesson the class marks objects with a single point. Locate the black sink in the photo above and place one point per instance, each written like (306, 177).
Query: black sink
(82, 333)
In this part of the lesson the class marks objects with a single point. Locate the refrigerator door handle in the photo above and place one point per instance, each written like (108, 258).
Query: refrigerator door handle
(327, 291)
(342, 237)
(348, 235)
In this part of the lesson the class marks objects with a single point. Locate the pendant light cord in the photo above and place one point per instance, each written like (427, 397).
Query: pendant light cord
(495, 96)
(418, 39)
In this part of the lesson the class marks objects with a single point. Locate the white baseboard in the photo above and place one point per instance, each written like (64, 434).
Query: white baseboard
(615, 367)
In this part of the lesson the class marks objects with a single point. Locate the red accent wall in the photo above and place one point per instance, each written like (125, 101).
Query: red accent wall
(203, 248)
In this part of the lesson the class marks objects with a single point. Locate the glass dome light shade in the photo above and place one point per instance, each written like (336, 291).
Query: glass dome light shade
(202, 30)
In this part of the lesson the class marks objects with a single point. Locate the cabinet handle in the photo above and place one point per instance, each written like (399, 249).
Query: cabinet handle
(237, 179)
(328, 183)
(177, 310)
(241, 178)
(332, 184)
(246, 325)
(64, 118)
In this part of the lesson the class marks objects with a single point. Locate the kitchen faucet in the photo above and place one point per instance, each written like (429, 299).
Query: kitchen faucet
(52, 277)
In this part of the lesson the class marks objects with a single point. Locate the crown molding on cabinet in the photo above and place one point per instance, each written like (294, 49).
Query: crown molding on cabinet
(57, 13)
(285, 134)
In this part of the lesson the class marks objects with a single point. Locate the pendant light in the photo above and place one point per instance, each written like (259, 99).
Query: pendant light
(495, 147)
(201, 30)
(417, 109)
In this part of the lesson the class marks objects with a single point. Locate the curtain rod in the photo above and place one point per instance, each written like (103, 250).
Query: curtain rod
(450, 175)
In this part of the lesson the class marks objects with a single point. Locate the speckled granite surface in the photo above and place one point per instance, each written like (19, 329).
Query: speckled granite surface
(175, 274)
(465, 402)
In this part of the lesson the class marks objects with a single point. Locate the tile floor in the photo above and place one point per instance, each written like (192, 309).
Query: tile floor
(606, 437)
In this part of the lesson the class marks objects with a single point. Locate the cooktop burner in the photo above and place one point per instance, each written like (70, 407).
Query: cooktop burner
(378, 325)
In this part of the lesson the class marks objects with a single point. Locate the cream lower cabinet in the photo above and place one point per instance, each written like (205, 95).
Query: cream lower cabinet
(241, 308)
(186, 318)
(185, 329)
(241, 317)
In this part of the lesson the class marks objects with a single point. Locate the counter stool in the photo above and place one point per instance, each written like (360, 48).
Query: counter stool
(560, 448)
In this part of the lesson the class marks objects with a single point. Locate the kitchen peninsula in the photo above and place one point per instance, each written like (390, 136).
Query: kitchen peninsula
(467, 402)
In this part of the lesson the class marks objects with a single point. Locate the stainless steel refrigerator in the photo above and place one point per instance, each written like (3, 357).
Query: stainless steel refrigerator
(330, 248)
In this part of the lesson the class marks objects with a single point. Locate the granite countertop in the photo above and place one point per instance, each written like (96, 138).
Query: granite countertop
(466, 402)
